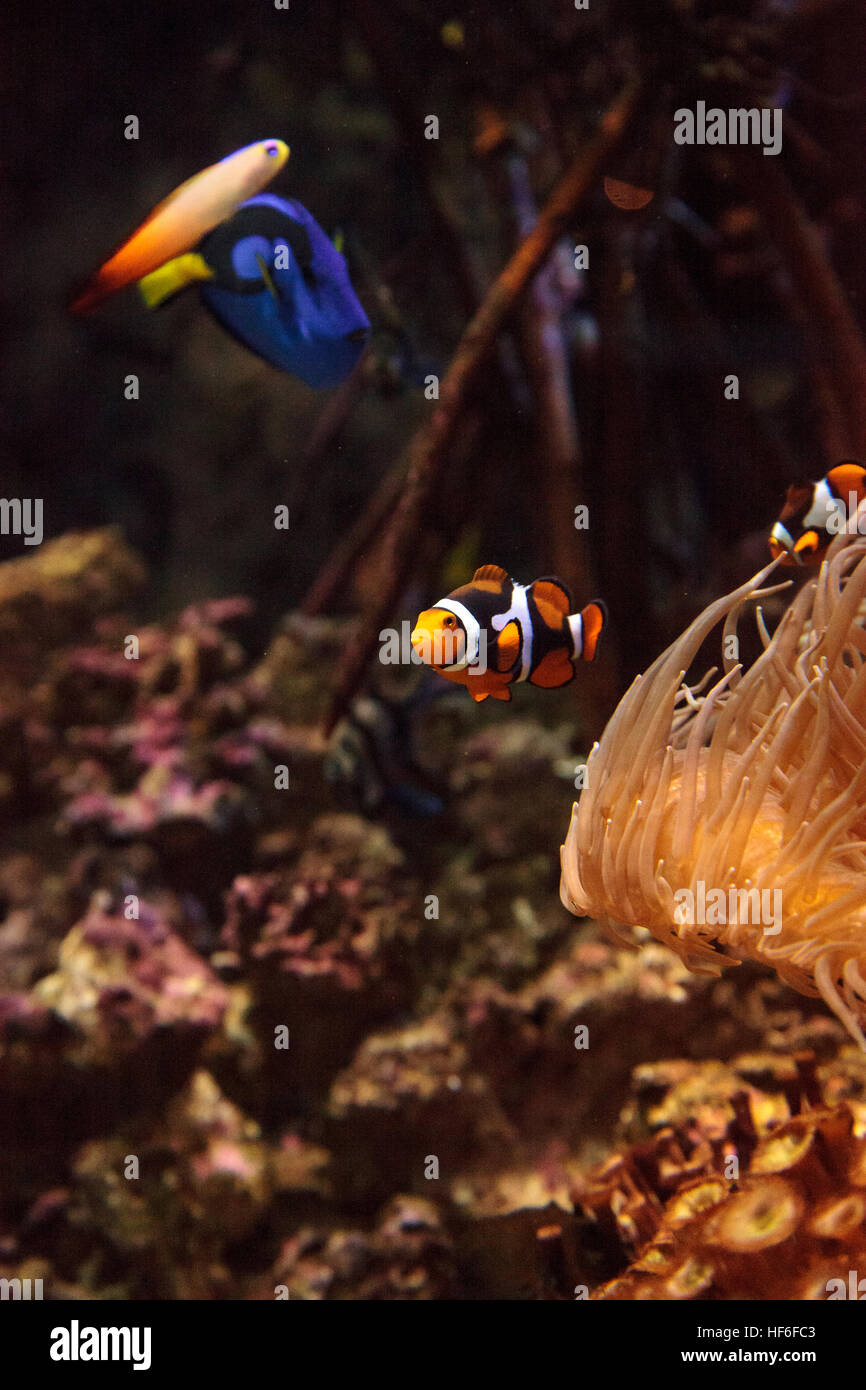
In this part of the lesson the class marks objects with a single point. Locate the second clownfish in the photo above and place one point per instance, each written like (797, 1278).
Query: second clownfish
(816, 512)
(493, 632)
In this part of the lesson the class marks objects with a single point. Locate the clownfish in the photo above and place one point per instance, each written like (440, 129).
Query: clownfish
(492, 632)
(816, 512)
(264, 267)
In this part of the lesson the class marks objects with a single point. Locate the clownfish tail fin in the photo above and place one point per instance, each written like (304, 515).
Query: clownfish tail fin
(586, 628)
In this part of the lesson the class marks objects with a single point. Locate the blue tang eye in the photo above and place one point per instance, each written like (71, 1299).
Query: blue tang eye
(245, 255)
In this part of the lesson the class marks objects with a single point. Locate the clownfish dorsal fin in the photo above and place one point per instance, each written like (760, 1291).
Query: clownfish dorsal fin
(494, 574)
(553, 592)
(848, 477)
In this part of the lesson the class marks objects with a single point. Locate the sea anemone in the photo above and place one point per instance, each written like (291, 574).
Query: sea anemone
(747, 799)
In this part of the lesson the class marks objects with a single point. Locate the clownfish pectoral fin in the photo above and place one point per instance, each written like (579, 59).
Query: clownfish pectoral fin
(504, 694)
(478, 698)
(173, 277)
(554, 669)
(552, 592)
(268, 279)
(594, 617)
(807, 547)
(494, 574)
(507, 647)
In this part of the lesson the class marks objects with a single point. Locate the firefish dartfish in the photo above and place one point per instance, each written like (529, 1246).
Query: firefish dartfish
(492, 632)
(816, 512)
(264, 267)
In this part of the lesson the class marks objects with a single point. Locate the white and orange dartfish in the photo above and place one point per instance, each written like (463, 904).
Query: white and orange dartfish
(492, 632)
(182, 219)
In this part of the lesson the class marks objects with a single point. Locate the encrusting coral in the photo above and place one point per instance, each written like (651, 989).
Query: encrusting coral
(751, 794)
(753, 1186)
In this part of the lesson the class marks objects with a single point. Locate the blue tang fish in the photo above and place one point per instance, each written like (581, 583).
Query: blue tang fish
(265, 269)
(280, 286)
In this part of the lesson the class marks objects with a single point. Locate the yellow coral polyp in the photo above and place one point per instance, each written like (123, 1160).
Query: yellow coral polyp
(837, 1220)
(690, 1279)
(757, 784)
(755, 1220)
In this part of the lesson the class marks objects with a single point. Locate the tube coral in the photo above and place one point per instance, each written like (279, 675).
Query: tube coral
(749, 794)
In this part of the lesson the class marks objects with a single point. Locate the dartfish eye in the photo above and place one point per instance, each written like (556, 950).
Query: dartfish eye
(357, 335)
(272, 149)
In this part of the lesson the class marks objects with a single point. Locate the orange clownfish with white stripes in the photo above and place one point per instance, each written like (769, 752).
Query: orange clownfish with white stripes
(816, 512)
(493, 632)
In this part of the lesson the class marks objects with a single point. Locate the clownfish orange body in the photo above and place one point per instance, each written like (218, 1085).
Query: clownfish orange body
(493, 632)
(816, 512)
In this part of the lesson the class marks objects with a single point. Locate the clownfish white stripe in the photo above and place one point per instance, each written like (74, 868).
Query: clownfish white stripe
(575, 623)
(824, 507)
(473, 633)
(781, 534)
(519, 613)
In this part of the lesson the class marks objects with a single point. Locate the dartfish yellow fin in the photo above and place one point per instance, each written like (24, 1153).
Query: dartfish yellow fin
(173, 277)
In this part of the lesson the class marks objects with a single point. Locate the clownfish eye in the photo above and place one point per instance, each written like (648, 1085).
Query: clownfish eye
(272, 148)
(449, 622)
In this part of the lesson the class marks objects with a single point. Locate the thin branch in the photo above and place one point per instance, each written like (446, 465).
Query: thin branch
(558, 454)
(819, 288)
(431, 444)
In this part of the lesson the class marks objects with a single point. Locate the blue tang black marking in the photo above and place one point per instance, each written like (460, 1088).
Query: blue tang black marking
(281, 287)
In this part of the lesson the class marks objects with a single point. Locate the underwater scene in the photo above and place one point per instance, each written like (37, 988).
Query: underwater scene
(433, 655)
